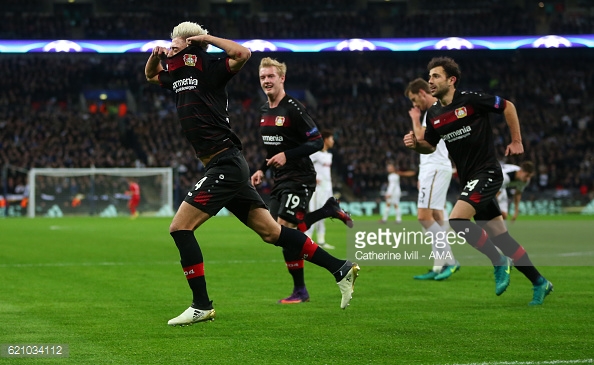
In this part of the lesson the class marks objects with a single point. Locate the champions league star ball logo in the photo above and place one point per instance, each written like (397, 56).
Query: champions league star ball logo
(551, 41)
(454, 43)
(355, 44)
(158, 43)
(62, 46)
(259, 45)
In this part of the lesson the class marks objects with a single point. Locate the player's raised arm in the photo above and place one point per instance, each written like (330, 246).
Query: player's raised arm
(238, 54)
(406, 173)
(153, 64)
(415, 117)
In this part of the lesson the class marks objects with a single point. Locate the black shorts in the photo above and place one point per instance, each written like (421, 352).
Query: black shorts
(480, 191)
(226, 183)
(289, 200)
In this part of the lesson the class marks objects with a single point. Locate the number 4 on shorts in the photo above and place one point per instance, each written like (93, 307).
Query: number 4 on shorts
(471, 184)
(199, 183)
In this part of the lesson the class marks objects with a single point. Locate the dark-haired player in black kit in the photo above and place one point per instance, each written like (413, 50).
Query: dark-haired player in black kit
(198, 80)
(461, 119)
(290, 136)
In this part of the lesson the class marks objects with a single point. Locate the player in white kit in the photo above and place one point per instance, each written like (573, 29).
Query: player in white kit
(435, 174)
(515, 178)
(393, 192)
(322, 161)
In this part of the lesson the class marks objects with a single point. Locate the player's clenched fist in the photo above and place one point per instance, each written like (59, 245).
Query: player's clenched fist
(160, 52)
(257, 178)
(410, 141)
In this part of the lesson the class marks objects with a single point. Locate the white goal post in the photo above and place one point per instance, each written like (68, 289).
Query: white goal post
(98, 191)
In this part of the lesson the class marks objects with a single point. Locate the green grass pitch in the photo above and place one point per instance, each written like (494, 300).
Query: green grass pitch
(107, 286)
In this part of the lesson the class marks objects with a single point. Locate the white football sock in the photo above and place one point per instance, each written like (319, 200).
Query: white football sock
(386, 212)
(321, 236)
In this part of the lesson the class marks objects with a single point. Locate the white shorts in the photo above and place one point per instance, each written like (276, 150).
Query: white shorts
(503, 201)
(433, 188)
(318, 198)
(394, 199)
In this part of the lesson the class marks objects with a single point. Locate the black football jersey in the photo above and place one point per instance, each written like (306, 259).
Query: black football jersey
(465, 127)
(198, 80)
(286, 127)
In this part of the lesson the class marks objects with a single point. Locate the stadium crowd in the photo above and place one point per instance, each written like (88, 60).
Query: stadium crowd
(46, 122)
(43, 122)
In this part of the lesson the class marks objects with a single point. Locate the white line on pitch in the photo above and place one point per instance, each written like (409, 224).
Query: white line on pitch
(546, 362)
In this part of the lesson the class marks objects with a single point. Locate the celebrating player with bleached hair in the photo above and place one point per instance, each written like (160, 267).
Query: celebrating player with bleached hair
(198, 80)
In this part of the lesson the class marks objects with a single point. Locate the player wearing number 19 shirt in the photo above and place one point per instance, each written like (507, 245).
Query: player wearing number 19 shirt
(198, 80)
(290, 136)
(461, 119)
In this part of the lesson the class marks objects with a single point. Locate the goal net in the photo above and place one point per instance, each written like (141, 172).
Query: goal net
(100, 192)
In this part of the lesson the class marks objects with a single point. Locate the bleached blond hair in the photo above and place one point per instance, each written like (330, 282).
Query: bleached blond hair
(281, 67)
(188, 29)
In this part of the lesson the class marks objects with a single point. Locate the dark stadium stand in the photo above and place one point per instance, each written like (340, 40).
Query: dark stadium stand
(135, 19)
(44, 121)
